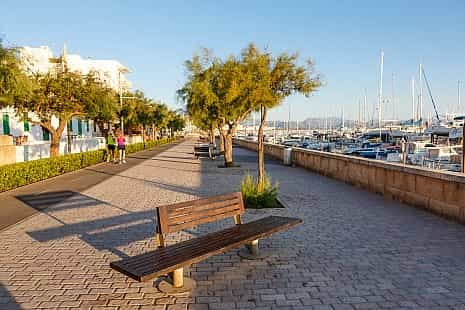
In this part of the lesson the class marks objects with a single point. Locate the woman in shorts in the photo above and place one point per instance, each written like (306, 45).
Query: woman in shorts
(121, 147)
(111, 146)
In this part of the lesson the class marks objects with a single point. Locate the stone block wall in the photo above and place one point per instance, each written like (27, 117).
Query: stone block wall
(7, 150)
(438, 191)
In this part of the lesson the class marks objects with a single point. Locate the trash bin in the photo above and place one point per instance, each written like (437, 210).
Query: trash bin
(287, 158)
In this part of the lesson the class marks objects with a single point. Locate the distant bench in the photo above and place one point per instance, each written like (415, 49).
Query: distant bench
(206, 149)
(173, 258)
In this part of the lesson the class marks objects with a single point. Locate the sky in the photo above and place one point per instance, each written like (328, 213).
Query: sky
(344, 39)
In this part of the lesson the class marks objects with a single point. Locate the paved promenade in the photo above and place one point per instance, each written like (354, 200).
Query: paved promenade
(355, 250)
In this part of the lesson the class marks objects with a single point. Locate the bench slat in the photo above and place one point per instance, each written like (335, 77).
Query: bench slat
(188, 214)
(162, 261)
(202, 217)
(202, 201)
(193, 208)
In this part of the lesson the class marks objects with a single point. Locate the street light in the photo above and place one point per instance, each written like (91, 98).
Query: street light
(122, 70)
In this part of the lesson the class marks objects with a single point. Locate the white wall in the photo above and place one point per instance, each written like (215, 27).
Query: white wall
(35, 134)
(42, 150)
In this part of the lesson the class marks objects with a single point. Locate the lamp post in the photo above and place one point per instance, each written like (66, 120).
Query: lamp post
(122, 70)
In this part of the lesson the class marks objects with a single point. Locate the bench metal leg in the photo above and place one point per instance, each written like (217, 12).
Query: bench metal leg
(178, 277)
(252, 251)
(176, 283)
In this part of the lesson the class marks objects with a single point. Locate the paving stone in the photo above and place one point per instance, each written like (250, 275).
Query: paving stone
(355, 250)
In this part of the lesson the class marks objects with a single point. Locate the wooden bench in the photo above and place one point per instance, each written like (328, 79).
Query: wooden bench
(170, 260)
(206, 149)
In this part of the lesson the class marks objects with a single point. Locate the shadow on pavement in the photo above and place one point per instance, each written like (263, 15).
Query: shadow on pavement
(170, 161)
(167, 186)
(7, 302)
(104, 234)
(60, 200)
(13, 209)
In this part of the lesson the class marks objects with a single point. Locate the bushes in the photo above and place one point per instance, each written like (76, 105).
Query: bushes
(20, 174)
(255, 199)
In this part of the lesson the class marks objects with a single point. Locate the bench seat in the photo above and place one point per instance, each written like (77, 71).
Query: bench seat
(162, 261)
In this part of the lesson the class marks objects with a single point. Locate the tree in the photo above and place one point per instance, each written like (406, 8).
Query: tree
(102, 105)
(159, 117)
(175, 122)
(14, 83)
(201, 101)
(215, 91)
(271, 80)
(57, 98)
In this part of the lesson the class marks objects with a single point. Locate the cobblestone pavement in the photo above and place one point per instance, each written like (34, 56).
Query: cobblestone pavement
(354, 251)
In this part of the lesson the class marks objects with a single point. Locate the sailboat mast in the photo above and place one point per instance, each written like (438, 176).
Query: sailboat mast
(380, 97)
(413, 100)
(393, 100)
(365, 106)
(458, 95)
(420, 98)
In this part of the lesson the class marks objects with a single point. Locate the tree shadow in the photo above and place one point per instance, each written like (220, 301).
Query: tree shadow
(59, 200)
(167, 186)
(170, 161)
(7, 301)
(104, 234)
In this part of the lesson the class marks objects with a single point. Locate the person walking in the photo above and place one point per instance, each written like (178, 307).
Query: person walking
(121, 147)
(111, 146)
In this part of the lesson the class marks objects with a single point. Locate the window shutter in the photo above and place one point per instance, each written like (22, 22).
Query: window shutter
(6, 124)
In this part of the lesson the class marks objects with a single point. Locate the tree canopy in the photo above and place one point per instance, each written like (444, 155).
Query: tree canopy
(52, 99)
(221, 93)
(14, 83)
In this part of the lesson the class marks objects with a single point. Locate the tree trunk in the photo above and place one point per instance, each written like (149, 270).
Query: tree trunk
(211, 133)
(55, 134)
(261, 150)
(221, 143)
(143, 133)
(54, 143)
(228, 156)
(101, 126)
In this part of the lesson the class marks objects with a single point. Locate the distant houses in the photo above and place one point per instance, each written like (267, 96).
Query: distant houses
(41, 60)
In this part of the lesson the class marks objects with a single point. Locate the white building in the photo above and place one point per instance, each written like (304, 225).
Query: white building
(41, 60)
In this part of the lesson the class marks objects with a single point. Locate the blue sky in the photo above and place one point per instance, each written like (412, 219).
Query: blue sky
(344, 38)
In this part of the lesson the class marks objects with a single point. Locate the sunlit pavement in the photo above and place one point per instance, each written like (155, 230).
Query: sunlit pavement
(355, 250)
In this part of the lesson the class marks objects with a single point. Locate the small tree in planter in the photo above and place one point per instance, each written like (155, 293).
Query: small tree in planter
(258, 198)
(271, 80)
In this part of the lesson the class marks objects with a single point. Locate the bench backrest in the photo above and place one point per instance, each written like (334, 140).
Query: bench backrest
(175, 217)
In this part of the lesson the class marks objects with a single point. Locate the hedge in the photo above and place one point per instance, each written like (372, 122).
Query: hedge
(24, 173)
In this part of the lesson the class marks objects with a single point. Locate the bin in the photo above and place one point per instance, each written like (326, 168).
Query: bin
(287, 158)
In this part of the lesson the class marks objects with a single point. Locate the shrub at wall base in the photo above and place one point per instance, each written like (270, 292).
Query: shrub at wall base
(20, 174)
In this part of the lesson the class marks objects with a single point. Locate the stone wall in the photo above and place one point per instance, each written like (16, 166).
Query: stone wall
(440, 192)
(7, 150)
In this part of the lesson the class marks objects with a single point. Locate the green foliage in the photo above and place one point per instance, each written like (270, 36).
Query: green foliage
(257, 199)
(13, 81)
(175, 122)
(15, 175)
(141, 112)
(102, 102)
(20, 174)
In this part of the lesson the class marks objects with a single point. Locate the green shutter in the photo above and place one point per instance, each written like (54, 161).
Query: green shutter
(6, 124)
(26, 123)
(45, 134)
(79, 127)
(87, 126)
(70, 125)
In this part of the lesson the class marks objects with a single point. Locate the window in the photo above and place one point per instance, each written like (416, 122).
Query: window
(45, 134)
(70, 125)
(26, 123)
(6, 124)
(79, 127)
